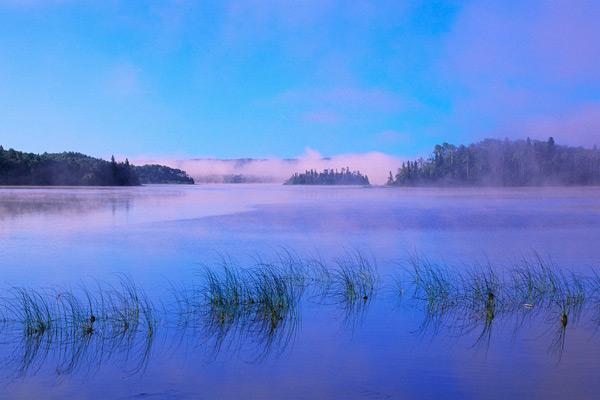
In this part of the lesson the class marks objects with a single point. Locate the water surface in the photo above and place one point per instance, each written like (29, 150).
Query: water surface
(158, 234)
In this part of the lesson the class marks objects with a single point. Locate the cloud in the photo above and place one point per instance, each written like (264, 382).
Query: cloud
(375, 164)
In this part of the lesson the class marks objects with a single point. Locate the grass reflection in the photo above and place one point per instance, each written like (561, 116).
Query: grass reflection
(255, 311)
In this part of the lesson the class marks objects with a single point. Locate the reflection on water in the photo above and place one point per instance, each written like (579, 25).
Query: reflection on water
(255, 313)
(349, 314)
(18, 204)
(78, 329)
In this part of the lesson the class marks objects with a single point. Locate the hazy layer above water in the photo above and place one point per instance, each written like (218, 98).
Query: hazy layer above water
(153, 231)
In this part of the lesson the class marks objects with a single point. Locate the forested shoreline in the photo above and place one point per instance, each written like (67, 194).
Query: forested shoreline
(155, 173)
(494, 162)
(76, 169)
(490, 162)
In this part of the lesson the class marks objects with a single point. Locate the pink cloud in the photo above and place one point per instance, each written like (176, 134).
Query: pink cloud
(375, 164)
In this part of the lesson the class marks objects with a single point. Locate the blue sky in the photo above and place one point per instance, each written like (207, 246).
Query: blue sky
(271, 78)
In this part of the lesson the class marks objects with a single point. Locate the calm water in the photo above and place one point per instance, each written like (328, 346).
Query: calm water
(159, 234)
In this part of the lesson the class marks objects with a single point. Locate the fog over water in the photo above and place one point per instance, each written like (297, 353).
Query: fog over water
(376, 165)
(85, 229)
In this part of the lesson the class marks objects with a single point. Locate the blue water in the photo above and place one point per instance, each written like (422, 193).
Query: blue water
(155, 234)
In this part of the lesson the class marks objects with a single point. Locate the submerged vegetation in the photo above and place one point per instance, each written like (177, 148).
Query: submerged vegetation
(328, 177)
(257, 310)
(76, 169)
(506, 162)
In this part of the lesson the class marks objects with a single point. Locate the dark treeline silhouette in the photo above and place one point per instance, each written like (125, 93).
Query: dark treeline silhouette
(154, 173)
(328, 177)
(493, 162)
(74, 169)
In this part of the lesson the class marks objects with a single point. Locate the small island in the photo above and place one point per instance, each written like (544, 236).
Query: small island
(75, 169)
(328, 177)
(494, 162)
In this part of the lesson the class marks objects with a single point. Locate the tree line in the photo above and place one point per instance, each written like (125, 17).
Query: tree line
(328, 177)
(155, 173)
(76, 169)
(493, 162)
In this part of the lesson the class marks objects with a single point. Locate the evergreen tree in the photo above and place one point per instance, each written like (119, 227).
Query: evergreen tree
(328, 177)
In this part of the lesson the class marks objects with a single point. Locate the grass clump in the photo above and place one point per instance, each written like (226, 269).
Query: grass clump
(433, 284)
(354, 279)
(75, 326)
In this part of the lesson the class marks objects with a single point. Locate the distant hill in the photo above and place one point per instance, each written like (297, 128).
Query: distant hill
(328, 177)
(493, 162)
(76, 169)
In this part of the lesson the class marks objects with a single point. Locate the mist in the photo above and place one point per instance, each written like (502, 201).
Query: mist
(376, 165)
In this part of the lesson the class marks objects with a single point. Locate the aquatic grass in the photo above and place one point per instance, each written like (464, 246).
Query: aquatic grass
(257, 308)
(354, 278)
(274, 293)
(535, 282)
(125, 309)
(288, 264)
(261, 301)
(482, 286)
(350, 284)
(481, 296)
(225, 288)
(468, 299)
(267, 285)
(434, 284)
(276, 315)
(69, 323)
(528, 285)
(318, 279)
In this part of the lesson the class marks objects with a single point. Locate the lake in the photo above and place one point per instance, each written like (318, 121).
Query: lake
(394, 343)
